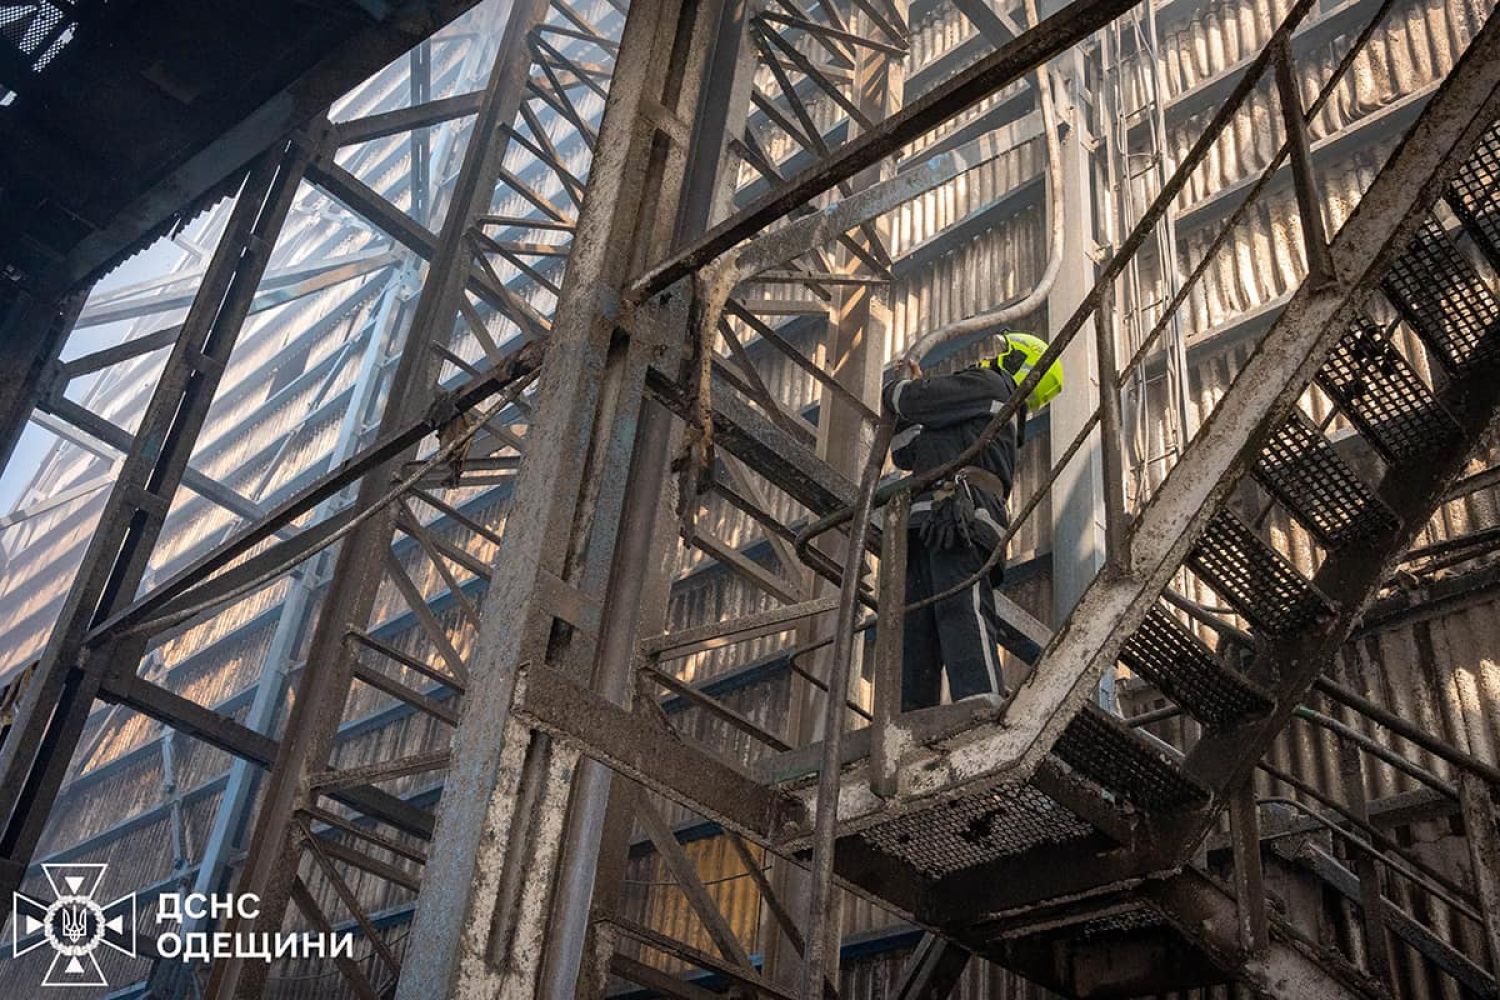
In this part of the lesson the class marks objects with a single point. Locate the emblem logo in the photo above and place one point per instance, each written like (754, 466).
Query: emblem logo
(74, 924)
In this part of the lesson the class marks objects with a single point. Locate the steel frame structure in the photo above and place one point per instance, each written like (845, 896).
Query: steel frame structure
(573, 623)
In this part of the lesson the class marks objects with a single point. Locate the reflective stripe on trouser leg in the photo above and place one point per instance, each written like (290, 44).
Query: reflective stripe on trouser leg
(965, 621)
(987, 643)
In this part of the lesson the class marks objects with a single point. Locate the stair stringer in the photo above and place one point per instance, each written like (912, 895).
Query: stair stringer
(1261, 397)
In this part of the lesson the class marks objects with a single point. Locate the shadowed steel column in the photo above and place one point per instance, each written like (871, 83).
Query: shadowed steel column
(641, 581)
(56, 701)
(482, 920)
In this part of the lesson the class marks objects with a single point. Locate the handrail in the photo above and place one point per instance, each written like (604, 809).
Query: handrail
(1359, 740)
(1376, 838)
(1274, 56)
(1375, 852)
(1364, 826)
(1404, 729)
(1372, 747)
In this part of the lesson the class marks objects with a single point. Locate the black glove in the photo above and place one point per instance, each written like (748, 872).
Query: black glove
(950, 522)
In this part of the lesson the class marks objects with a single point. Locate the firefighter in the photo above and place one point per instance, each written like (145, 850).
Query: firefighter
(957, 522)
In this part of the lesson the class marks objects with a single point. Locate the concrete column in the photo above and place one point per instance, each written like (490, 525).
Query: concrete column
(1077, 498)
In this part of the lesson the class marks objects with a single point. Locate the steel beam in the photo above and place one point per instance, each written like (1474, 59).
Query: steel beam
(1249, 878)
(934, 969)
(271, 861)
(1077, 496)
(600, 816)
(225, 733)
(32, 333)
(64, 417)
(232, 814)
(1266, 389)
(1482, 830)
(1007, 64)
(1284, 970)
(56, 701)
(497, 858)
(403, 120)
(1367, 867)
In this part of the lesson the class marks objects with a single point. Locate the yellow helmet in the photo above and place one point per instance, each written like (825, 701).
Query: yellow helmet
(1019, 353)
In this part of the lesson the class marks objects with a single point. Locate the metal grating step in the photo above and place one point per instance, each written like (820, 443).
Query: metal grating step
(1438, 291)
(1253, 577)
(1124, 922)
(1474, 195)
(1381, 395)
(1185, 670)
(973, 829)
(1107, 752)
(1300, 468)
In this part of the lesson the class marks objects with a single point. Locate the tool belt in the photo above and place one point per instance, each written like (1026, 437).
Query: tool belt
(970, 475)
(952, 511)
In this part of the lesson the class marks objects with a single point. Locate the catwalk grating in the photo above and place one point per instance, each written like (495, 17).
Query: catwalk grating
(1383, 397)
(1473, 196)
(1300, 468)
(1140, 918)
(1101, 748)
(1169, 656)
(32, 31)
(1253, 577)
(969, 830)
(1439, 292)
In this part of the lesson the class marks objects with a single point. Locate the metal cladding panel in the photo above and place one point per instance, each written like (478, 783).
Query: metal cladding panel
(651, 897)
(1441, 671)
(876, 977)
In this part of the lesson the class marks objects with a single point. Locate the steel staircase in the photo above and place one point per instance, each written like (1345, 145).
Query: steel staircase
(1107, 807)
(1157, 807)
(1049, 835)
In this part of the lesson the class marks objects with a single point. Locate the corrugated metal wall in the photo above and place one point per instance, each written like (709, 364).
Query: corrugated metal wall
(1441, 671)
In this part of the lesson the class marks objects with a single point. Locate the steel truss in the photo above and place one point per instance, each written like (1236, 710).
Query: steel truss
(559, 744)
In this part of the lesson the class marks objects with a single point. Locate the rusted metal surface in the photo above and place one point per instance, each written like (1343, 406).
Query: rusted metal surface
(966, 282)
(1305, 180)
(508, 791)
(821, 961)
(887, 742)
(1249, 880)
(1207, 916)
(1372, 902)
(1484, 841)
(56, 702)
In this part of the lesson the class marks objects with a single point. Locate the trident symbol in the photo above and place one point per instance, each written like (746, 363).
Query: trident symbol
(74, 923)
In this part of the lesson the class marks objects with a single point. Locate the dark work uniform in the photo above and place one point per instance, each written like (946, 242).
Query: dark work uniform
(937, 418)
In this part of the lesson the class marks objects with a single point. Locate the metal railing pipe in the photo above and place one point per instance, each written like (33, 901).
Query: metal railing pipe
(1404, 729)
(1375, 749)
(821, 962)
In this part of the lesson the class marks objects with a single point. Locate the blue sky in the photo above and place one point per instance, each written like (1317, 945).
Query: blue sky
(157, 259)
